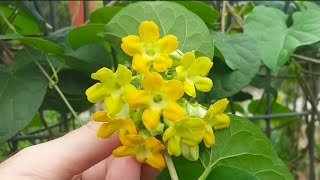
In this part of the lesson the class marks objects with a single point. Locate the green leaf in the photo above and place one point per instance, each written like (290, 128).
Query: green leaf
(42, 44)
(84, 35)
(24, 22)
(104, 15)
(206, 12)
(276, 42)
(171, 18)
(240, 53)
(38, 43)
(22, 88)
(88, 58)
(241, 152)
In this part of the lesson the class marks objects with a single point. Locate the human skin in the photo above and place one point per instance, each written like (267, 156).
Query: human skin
(79, 154)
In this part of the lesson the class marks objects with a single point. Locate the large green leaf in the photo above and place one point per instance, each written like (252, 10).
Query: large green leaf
(171, 18)
(276, 42)
(240, 54)
(241, 152)
(22, 88)
(84, 35)
(206, 12)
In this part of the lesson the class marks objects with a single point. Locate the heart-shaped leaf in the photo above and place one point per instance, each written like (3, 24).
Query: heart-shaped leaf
(171, 18)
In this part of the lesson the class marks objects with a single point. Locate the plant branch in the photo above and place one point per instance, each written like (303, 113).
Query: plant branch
(236, 16)
(52, 83)
(317, 61)
(223, 22)
(170, 166)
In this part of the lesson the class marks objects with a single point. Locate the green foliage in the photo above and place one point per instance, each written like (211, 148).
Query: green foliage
(83, 35)
(241, 152)
(241, 63)
(104, 15)
(276, 49)
(171, 18)
(22, 91)
(207, 13)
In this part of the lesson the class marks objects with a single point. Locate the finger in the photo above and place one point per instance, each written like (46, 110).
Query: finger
(98, 171)
(66, 156)
(148, 172)
(124, 168)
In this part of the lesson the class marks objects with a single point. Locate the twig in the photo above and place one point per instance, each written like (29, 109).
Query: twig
(170, 166)
(306, 58)
(237, 17)
(223, 16)
(44, 123)
(56, 88)
(7, 22)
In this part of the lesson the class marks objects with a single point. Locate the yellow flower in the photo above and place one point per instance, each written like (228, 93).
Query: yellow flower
(149, 49)
(158, 97)
(113, 88)
(188, 131)
(143, 149)
(192, 71)
(215, 118)
(111, 125)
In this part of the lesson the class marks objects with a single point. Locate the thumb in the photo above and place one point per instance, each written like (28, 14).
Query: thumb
(64, 157)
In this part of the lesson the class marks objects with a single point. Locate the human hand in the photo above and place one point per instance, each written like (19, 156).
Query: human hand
(78, 155)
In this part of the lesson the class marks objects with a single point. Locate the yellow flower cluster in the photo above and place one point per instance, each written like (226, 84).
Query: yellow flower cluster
(152, 112)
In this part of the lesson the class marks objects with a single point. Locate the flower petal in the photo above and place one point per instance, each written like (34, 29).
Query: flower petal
(123, 151)
(131, 45)
(170, 131)
(174, 89)
(208, 138)
(113, 104)
(168, 44)
(148, 31)
(101, 116)
(103, 75)
(174, 147)
(218, 107)
(201, 67)
(203, 84)
(154, 144)
(156, 160)
(107, 129)
(221, 121)
(151, 118)
(123, 75)
(141, 63)
(187, 59)
(152, 81)
(161, 63)
(189, 88)
(173, 111)
(97, 92)
(139, 98)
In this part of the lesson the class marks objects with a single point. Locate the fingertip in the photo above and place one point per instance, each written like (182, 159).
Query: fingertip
(124, 168)
(148, 172)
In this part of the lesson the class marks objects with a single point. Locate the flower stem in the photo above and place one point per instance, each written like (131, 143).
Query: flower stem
(205, 174)
(170, 166)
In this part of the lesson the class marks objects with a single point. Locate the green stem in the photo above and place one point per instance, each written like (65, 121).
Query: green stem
(170, 166)
(205, 174)
(56, 88)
